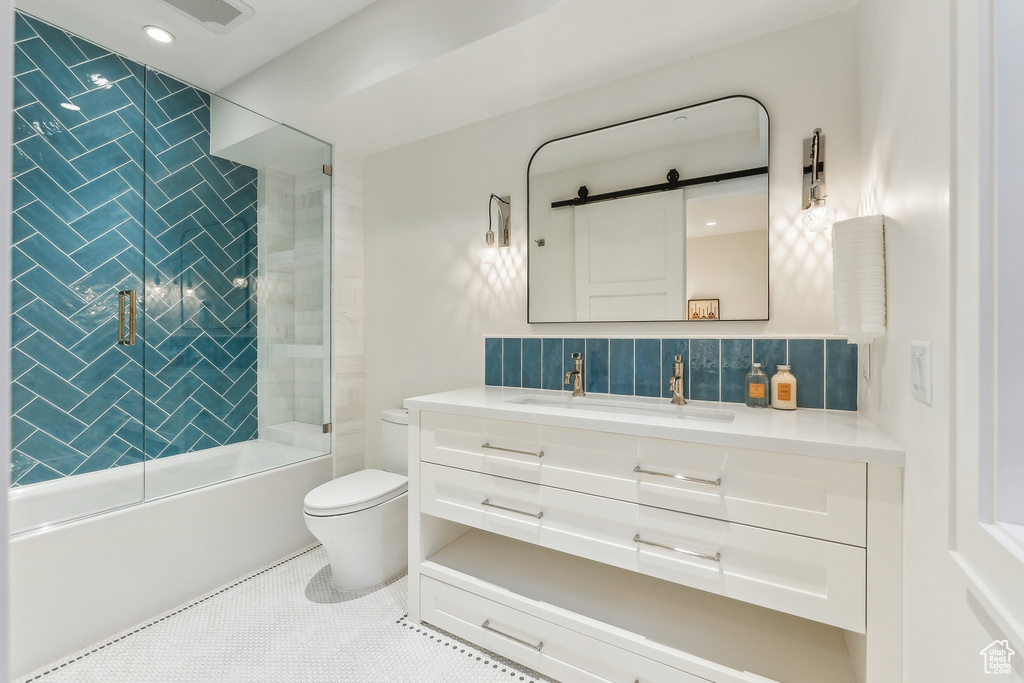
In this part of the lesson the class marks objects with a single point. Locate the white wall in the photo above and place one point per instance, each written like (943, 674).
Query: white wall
(429, 300)
(907, 121)
(347, 362)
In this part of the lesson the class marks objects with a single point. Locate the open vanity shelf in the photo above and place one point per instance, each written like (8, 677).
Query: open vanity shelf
(596, 546)
(623, 616)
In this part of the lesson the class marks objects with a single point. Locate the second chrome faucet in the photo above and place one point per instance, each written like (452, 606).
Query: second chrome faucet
(677, 384)
(576, 375)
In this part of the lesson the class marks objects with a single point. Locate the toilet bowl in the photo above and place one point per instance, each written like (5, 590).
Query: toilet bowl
(362, 519)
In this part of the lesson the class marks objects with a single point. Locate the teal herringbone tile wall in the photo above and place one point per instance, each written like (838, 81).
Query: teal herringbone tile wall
(200, 236)
(84, 160)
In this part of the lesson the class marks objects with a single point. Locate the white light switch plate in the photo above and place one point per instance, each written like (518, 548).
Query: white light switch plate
(921, 371)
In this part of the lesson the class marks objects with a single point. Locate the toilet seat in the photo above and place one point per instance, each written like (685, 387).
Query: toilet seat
(354, 492)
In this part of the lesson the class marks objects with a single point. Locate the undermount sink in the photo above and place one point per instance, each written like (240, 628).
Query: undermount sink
(631, 407)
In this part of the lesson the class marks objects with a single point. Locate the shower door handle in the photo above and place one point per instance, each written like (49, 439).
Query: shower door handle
(126, 336)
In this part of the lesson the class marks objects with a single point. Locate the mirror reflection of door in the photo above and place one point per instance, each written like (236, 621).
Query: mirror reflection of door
(631, 258)
(607, 254)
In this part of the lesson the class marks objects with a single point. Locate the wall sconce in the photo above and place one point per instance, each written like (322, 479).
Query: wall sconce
(817, 216)
(492, 242)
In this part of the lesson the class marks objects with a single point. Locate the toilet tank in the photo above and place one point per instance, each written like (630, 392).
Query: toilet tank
(394, 440)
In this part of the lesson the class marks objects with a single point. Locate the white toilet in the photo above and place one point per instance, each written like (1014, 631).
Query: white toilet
(362, 519)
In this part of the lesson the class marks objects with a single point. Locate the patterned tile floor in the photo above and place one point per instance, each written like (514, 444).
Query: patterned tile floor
(286, 624)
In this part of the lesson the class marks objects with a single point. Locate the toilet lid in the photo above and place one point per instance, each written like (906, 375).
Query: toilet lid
(353, 492)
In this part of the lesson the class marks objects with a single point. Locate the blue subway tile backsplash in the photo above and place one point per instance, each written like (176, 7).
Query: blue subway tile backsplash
(840, 375)
(551, 367)
(826, 370)
(595, 366)
(736, 363)
(770, 353)
(532, 362)
(512, 362)
(648, 367)
(704, 369)
(492, 362)
(807, 363)
(621, 366)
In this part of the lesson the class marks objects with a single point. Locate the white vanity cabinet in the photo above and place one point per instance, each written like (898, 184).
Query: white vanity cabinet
(633, 548)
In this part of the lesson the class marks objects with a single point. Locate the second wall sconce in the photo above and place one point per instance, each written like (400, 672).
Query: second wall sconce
(817, 216)
(492, 241)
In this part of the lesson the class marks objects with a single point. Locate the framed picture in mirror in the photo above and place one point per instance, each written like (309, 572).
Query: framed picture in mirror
(702, 309)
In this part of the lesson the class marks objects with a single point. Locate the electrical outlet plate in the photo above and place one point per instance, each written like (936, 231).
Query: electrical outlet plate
(921, 371)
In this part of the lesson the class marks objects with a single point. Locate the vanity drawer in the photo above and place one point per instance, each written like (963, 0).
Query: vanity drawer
(594, 462)
(810, 496)
(811, 578)
(589, 526)
(548, 648)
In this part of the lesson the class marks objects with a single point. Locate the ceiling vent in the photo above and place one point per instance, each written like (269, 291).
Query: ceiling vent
(220, 16)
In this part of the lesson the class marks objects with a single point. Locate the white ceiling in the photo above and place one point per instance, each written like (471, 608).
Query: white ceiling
(723, 216)
(371, 75)
(197, 55)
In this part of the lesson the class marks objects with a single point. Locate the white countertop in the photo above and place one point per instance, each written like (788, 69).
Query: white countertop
(843, 435)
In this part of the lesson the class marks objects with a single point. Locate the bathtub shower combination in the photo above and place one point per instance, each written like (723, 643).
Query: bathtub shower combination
(171, 285)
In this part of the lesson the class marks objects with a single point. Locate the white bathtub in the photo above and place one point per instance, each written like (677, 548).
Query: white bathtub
(77, 583)
(68, 498)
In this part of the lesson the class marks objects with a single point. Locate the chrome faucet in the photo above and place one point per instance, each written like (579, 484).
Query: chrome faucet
(677, 384)
(576, 375)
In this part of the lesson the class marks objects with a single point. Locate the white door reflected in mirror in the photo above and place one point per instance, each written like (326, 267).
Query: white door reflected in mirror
(630, 222)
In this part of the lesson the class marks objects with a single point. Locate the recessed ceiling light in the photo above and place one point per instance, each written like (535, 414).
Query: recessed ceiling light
(158, 34)
(681, 117)
(72, 107)
(711, 223)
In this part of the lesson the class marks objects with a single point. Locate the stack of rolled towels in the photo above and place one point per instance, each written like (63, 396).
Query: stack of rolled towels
(858, 259)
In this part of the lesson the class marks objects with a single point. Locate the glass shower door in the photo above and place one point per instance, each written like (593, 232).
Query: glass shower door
(201, 224)
(77, 436)
(236, 291)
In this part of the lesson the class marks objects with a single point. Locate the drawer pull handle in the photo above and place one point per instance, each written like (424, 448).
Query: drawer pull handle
(680, 477)
(489, 504)
(717, 557)
(487, 627)
(488, 446)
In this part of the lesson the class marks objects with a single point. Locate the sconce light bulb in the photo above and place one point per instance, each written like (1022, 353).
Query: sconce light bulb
(489, 254)
(818, 217)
